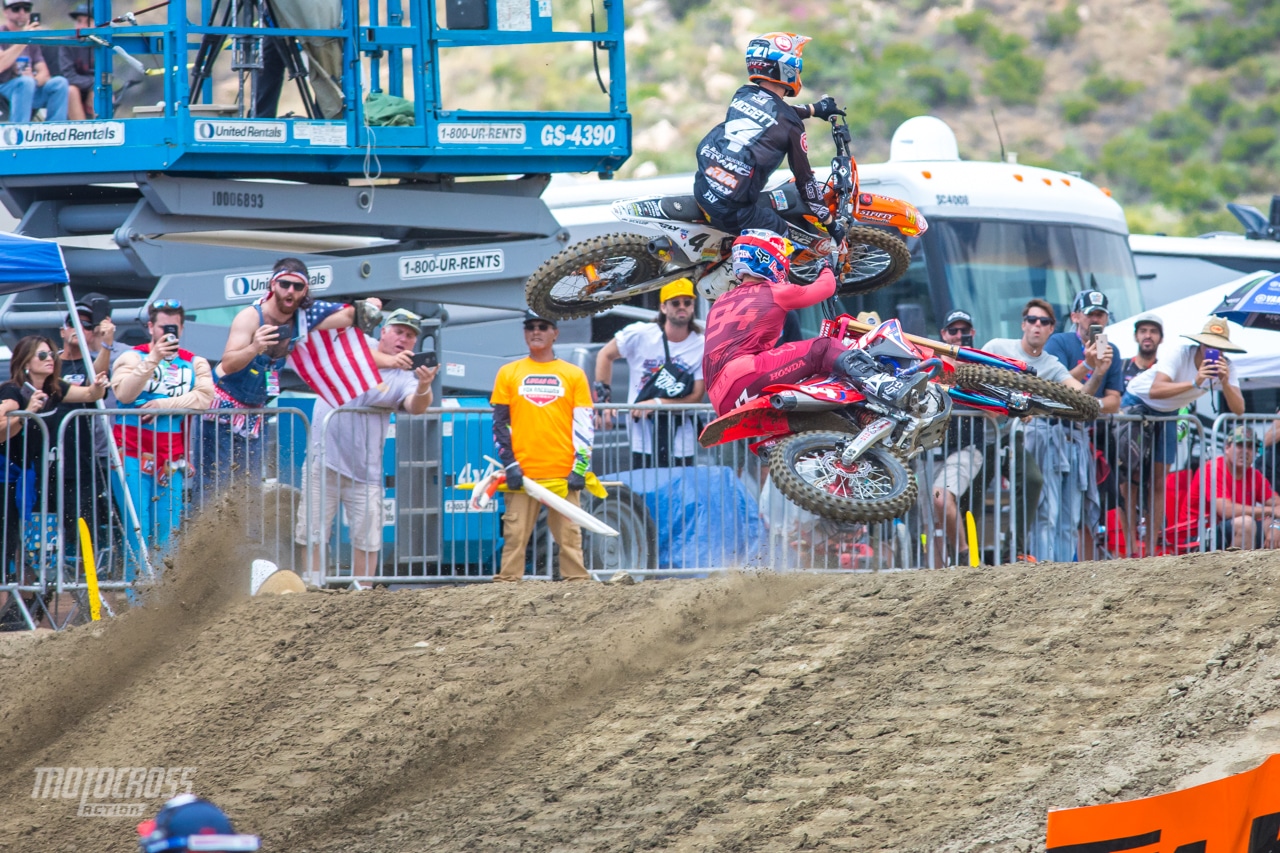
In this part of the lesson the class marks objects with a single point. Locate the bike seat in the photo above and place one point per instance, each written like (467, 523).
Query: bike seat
(682, 208)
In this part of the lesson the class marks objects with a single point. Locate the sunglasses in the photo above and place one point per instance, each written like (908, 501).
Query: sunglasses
(1036, 320)
(538, 327)
(680, 301)
(958, 330)
(293, 283)
(18, 7)
(166, 305)
(44, 353)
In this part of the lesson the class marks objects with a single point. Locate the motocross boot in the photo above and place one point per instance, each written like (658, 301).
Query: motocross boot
(872, 379)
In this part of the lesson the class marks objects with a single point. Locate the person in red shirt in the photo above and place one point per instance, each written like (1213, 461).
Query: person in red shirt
(1237, 494)
(740, 359)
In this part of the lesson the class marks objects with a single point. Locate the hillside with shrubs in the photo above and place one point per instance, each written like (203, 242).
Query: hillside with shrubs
(1172, 104)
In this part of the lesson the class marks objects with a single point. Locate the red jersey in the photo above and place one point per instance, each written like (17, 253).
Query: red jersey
(748, 319)
(1251, 488)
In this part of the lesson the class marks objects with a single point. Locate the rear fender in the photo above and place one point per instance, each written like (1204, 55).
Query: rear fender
(872, 209)
(753, 419)
(699, 242)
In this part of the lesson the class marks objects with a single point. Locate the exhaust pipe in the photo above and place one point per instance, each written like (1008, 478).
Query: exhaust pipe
(661, 248)
(784, 401)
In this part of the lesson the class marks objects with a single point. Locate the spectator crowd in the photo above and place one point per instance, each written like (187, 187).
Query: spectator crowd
(1083, 491)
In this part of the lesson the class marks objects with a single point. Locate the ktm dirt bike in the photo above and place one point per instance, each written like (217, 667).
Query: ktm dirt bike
(590, 276)
(842, 455)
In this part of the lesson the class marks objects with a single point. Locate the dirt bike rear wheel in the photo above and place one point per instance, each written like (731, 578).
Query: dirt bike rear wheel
(875, 259)
(561, 290)
(806, 468)
(1045, 398)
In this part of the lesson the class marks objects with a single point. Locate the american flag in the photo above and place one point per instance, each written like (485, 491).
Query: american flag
(335, 363)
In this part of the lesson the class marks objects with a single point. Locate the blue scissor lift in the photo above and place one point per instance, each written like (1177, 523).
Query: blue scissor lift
(195, 200)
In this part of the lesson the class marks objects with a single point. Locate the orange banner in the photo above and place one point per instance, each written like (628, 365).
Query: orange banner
(1238, 814)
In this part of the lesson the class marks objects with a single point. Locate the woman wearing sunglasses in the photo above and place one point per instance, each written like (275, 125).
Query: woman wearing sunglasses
(37, 388)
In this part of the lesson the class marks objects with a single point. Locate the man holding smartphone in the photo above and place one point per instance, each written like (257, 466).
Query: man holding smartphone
(1095, 362)
(157, 375)
(1182, 374)
(351, 444)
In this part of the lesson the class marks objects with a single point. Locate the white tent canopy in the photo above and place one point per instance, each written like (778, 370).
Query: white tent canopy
(1259, 367)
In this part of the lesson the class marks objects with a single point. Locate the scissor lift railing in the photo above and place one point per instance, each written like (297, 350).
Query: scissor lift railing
(396, 41)
(149, 205)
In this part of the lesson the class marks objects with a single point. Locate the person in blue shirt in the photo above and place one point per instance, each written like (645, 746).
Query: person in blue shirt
(1096, 365)
(1078, 352)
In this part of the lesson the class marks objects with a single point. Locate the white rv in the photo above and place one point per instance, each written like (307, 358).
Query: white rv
(999, 233)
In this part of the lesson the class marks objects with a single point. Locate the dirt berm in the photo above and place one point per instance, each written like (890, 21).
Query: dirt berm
(917, 711)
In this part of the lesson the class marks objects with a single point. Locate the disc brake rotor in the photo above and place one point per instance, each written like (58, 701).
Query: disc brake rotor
(863, 481)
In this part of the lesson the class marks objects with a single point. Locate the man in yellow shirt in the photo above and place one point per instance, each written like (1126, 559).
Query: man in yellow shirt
(543, 428)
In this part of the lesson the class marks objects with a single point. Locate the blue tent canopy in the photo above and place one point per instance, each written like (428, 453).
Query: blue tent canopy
(1255, 304)
(27, 262)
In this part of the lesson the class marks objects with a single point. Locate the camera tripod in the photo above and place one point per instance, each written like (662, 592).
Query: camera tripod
(247, 51)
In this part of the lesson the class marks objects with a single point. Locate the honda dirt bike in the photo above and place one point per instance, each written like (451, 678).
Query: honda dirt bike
(842, 455)
(590, 276)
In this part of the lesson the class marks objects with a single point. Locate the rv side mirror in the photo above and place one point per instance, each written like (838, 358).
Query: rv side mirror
(1255, 224)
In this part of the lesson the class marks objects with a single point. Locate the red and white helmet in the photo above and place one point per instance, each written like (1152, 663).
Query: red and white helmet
(762, 254)
(775, 57)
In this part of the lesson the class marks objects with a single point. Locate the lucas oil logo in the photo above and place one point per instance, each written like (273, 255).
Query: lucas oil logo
(541, 390)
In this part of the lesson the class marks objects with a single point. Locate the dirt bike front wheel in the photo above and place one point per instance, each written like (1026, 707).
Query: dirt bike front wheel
(593, 275)
(1026, 394)
(875, 259)
(806, 467)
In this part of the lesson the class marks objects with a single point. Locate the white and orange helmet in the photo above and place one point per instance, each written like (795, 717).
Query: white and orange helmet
(775, 57)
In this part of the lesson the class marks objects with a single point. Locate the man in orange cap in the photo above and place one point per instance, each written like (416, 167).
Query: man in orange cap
(665, 358)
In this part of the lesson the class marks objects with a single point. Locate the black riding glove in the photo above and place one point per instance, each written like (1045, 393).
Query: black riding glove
(515, 477)
(826, 108)
(838, 230)
(577, 482)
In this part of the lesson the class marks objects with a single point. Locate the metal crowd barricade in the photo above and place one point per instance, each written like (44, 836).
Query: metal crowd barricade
(1146, 502)
(683, 510)
(25, 547)
(221, 468)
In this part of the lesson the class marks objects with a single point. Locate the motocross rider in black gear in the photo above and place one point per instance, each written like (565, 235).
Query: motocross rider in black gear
(738, 156)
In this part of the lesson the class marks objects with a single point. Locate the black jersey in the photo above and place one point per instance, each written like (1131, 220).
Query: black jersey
(737, 157)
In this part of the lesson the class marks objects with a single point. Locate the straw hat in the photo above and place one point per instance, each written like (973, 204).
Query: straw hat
(1216, 334)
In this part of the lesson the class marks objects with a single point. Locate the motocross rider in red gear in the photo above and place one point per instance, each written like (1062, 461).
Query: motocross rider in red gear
(740, 154)
(740, 360)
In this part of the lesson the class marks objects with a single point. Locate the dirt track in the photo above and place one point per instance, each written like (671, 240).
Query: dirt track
(915, 711)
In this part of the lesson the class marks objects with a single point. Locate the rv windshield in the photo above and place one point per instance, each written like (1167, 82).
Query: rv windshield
(991, 268)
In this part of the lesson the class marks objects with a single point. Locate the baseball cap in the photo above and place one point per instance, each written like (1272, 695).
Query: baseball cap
(404, 317)
(1090, 300)
(1242, 435)
(531, 316)
(679, 287)
(1151, 318)
(958, 316)
(81, 10)
(8, 3)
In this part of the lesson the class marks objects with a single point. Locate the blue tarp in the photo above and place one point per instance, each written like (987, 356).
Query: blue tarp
(705, 517)
(26, 262)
